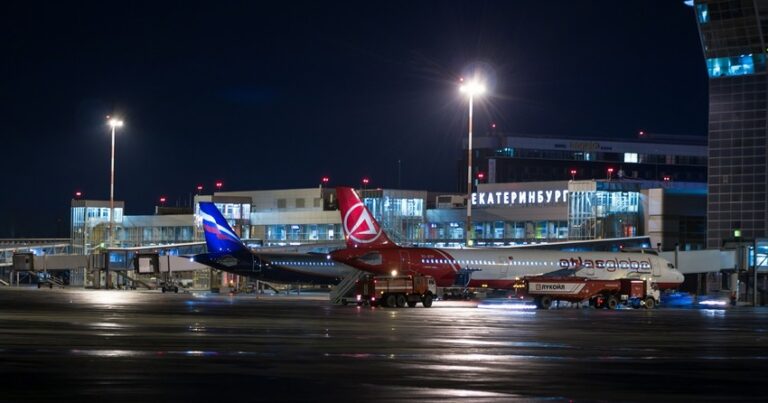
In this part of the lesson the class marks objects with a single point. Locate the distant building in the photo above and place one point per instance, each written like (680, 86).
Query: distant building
(733, 38)
(508, 158)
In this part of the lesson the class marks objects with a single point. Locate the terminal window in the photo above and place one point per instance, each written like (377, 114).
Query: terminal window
(735, 66)
(630, 157)
(702, 11)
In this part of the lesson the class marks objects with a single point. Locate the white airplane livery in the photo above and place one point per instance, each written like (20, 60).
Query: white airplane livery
(369, 249)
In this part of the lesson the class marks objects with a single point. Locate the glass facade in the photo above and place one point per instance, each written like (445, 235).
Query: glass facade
(702, 12)
(734, 48)
(303, 233)
(90, 225)
(506, 232)
(603, 214)
(402, 217)
(735, 66)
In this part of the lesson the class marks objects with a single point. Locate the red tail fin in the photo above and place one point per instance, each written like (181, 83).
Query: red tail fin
(360, 228)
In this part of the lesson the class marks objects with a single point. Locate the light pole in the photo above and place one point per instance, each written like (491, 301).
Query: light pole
(470, 88)
(113, 123)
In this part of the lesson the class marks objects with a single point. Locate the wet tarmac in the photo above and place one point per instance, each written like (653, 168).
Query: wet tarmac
(146, 346)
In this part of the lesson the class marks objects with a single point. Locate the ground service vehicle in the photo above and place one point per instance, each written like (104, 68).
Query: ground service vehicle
(169, 286)
(396, 291)
(600, 293)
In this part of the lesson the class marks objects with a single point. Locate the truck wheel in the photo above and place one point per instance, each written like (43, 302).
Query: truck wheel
(599, 302)
(176, 290)
(545, 302)
(391, 301)
(650, 303)
(401, 301)
(427, 302)
(163, 290)
(611, 302)
(411, 304)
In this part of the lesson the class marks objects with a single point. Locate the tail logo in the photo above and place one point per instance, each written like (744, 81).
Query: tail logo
(216, 229)
(360, 226)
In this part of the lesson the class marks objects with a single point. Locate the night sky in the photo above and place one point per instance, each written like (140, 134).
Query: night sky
(268, 96)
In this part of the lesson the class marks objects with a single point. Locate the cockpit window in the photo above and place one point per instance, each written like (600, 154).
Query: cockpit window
(670, 265)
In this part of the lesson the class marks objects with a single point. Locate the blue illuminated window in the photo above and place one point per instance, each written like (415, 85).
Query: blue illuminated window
(703, 13)
(506, 152)
(735, 66)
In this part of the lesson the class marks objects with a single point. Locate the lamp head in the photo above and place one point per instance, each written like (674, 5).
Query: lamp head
(115, 122)
(472, 88)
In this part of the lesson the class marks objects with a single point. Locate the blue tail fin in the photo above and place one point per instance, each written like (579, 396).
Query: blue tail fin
(219, 236)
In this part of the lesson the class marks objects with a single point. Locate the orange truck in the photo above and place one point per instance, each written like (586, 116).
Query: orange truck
(609, 294)
(396, 291)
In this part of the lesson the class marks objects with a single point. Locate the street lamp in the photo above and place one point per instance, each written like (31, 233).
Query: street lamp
(471, 88)
(114, 123)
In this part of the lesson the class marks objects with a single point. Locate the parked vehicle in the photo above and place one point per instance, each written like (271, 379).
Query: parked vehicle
(396, 291)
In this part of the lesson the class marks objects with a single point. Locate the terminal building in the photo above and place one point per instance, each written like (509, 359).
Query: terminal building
(507, 158)
(505, 214)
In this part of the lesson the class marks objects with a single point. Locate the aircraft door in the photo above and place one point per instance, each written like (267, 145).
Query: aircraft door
(405, 263)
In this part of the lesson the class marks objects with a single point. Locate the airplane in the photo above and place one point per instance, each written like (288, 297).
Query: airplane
(369, 249)
(228, 253)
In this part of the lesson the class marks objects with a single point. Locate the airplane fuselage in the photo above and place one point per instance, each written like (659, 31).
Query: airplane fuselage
(501, 268)
(279, 267)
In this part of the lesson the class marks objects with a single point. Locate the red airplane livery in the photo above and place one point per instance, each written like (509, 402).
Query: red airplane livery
(369, 249)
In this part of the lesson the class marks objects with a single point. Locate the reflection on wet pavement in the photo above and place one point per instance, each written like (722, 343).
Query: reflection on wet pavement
(121, 346)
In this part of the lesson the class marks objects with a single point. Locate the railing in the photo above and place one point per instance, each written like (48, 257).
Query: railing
(340, 293)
